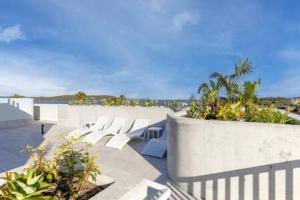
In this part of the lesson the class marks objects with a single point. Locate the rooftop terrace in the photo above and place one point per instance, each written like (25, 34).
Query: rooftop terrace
(127, 166)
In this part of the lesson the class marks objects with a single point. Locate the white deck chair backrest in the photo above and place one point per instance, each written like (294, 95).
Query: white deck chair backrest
(117, 125)
(139, 124)
(101, 122)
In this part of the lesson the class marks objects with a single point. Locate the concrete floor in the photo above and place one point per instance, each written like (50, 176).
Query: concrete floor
(127, 166)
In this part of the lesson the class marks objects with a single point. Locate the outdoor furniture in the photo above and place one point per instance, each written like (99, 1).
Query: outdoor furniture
(116, 127)
(100, 124)
(156, 147)
(155, 131)
(138, 129)
(148, 190)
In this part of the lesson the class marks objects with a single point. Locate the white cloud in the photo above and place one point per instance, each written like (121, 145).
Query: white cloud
(11, 33)
(292, 55)
(288, 87)
(28, 74)
(183, 18)
(28, 84)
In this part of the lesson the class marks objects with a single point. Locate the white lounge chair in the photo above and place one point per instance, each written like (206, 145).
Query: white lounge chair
(148, 190)
(100, 124)
(137, 130)
(116, 127)
(156, 147)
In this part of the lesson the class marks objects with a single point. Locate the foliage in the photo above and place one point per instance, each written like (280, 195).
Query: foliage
(230, 112)
(60, 178)
(247, 97)
(210, 95)
(267, 115)
(274, 102)
(192, 100)
(150, 103)
(18, 96)
(40, 164)
(27, 185)
(231, 82)
(133, 102)
(194, 112)
(175, 105)
(81, 98)
(115, 101)
(241, 102)
(75, 167)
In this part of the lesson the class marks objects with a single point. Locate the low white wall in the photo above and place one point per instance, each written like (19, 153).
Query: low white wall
(15, 112)
(218, 160)
(23, 104)
(75, 116)
(46, 112)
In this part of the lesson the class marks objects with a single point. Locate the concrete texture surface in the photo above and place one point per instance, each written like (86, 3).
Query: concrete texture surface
(127, 166)
(46, 112)
(23, 104)
(14, 140)
(15, 112)
(217, 159)
(75, 116)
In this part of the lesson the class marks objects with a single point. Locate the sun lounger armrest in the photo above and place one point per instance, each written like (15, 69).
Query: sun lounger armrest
(166, 192)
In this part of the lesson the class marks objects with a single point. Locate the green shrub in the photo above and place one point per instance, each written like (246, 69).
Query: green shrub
(267, 116)
(194, 112)
(75, 167)
(27, 185)
(60, 178)
(230, 112)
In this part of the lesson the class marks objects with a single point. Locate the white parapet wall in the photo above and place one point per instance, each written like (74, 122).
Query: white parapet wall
(46, 112)
(75, 116)
(234, 160)
(15, 112)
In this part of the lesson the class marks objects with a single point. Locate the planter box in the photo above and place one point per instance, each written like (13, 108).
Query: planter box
(206, 156)
(102, 180)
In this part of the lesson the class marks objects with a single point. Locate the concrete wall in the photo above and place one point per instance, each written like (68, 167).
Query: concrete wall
(75, 116)
(234, 160)
(15, 112)
(46, 112)
(23, 104)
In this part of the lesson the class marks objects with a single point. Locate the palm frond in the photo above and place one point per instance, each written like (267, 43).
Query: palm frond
(203, 86)
(243, 67)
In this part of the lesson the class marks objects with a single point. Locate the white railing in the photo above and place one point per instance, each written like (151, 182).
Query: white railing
(280, 181)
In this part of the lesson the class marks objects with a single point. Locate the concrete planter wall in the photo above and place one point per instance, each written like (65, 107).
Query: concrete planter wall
(218, 160)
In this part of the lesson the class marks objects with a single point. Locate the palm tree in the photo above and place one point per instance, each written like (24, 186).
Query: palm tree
(248, 96)
(231, 82)
(210, 94)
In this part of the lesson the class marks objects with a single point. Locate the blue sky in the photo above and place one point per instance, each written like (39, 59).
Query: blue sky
(145, 48)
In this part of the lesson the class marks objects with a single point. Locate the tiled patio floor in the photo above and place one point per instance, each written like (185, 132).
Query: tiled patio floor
(127, 166)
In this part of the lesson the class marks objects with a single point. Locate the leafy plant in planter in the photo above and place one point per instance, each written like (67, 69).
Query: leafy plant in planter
(75, 167)
(240, 102)
(267, 115)
(231, 82)
(40, 164)
(64, 177)
(230, 112)
(27, 185)
(210, 95)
